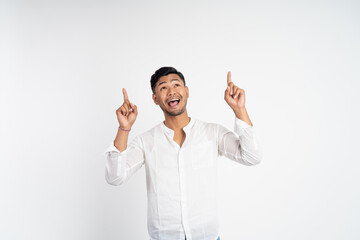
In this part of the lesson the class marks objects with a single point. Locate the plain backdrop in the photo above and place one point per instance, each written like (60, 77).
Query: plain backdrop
(64, 63)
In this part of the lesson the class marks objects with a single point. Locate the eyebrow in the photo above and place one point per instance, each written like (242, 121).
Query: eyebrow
(170, 81)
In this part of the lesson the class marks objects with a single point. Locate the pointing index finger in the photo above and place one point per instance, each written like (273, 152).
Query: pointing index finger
(229, 77)
(126, 98)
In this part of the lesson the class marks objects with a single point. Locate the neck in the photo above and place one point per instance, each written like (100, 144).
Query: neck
(177, 122)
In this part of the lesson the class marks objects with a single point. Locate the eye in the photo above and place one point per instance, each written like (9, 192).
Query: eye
(162, 88)
(177, 85)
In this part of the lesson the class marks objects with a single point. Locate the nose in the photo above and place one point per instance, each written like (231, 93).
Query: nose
(171, 91)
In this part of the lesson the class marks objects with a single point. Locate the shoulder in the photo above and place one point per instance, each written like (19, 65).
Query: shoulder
(215, 128)
(150, 134)
(205, 126)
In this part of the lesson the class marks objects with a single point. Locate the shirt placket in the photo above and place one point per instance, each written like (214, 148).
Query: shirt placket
(183, 200)
(182, 181)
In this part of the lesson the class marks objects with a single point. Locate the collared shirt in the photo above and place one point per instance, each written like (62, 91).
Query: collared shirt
(182, 181)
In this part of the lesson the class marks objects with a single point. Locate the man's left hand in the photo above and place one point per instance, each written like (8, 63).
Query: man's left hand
(234, 96)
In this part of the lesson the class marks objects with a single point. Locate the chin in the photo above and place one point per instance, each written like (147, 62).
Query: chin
(174, 114)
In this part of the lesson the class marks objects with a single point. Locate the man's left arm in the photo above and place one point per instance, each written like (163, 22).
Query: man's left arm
(243, 146)
(235, 98)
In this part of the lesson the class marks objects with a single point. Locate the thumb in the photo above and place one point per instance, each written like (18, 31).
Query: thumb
(134, 108)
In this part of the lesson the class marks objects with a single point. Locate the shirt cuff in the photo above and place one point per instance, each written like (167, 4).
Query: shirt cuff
(240, 126)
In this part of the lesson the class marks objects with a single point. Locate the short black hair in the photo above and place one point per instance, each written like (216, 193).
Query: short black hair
(164, 71)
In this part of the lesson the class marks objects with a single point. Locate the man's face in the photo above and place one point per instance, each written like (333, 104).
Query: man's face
(171, 95)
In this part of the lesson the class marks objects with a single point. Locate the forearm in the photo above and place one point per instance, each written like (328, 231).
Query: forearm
(249, 152)
(121, 166)
(242, 114)
(121, 140)
(240, 145)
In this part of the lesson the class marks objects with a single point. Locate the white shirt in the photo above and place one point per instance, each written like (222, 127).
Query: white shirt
(182, 181)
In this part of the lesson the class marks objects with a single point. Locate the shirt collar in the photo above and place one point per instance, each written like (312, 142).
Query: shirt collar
(186, 129)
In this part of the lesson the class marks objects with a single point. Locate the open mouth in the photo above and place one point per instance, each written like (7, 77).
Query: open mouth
(174, 102)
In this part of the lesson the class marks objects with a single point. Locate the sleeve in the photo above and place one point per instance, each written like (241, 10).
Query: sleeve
(241, 145)
(120, 166)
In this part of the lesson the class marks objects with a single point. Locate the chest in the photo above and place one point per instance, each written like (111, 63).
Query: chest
(179, 137)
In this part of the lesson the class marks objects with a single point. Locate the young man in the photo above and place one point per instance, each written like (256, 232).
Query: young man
(180, 157)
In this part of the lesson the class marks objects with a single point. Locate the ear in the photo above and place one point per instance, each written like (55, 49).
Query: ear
(187, 92)
(154, 99)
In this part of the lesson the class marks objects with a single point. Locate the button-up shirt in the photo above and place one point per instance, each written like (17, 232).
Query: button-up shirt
(182, 181)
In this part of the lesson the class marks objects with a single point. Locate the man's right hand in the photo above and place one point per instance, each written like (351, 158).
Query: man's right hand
(127, 113)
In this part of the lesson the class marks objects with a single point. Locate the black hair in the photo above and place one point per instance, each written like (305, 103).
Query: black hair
(164, 71)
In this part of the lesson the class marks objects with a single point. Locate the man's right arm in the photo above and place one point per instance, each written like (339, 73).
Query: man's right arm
(123, 161)
(120, 166)
(126, 115)
(121, 140)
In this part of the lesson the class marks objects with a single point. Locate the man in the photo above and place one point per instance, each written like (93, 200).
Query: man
(180, 157)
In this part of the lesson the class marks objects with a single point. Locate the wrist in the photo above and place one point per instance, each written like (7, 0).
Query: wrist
(240, 111)
(242, 114)
(125, 129)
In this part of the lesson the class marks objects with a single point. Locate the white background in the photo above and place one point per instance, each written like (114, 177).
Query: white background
(64, 63)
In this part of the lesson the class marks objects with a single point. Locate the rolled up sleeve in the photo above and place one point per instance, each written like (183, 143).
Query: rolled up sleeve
(241, 145)
(120, 166)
